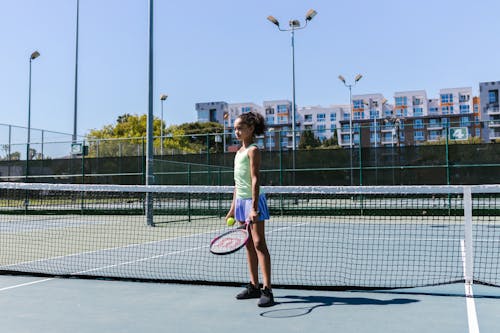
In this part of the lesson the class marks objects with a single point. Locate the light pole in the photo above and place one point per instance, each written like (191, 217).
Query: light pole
(75, 112)
(33, 56)
(163, 97)
(356, 79)
(270, 133)
(294, 25)
(395, 122)
(225, 118)
(149, 126)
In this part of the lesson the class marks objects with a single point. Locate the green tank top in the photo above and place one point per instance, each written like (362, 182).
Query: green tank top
(242, 174)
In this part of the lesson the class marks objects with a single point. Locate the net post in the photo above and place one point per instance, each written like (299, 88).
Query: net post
(469, 255)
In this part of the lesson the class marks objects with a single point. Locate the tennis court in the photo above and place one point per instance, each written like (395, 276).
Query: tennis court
(335, 252)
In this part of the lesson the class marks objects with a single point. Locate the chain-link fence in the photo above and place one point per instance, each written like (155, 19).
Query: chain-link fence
(200, 160)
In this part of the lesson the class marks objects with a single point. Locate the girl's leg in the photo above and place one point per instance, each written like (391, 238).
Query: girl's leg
(262, 253)
(253, 262)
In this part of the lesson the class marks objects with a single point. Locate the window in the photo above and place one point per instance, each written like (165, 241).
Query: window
(308, 118)
(463, 98)
(418, 112)
(246, 109)
(434, 135)
(358, 115)
(464, 121)
(445, 122)
(270, 120)
(401, 101)
(493, 96)
(269, 110)
(282, 119)
(418, 136)
(321, 128)
(417, 101)
(434, 123)
(464, 109)
(333, 117)
(284, 142)
(433, 110)
(358, 104)
(346, 116)
(447, 98)
(283, 108)
(333, 128)
(418, 124)
(373, 114)
(320, 117)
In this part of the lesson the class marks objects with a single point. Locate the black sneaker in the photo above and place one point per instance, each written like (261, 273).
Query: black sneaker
(266, 298)
(250, 291)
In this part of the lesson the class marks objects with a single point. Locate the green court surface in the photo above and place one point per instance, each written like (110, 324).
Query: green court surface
(33, 304)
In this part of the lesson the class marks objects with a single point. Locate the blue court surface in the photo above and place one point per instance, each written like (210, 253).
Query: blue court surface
(37, 304)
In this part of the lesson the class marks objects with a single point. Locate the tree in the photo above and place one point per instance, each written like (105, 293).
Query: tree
(128, 137)
(308, 140)
(199, 135)
(331, 142)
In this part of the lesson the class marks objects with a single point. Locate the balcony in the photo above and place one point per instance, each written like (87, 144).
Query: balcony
(494, 124)
(387, 129)
(493, 109)
(434, 127)
(386, 141)
(494, 135)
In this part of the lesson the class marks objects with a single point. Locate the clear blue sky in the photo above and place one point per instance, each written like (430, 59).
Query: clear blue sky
(226, 50)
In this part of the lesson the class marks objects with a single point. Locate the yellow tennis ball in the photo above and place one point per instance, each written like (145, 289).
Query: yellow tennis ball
(230, 221)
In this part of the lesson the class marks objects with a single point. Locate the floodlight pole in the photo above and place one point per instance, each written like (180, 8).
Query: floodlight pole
(75, 112)
(356, 79)
(33, 56)
(149, 126)
(294, 25)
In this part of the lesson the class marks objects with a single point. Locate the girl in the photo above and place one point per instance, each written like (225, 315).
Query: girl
(249, 204)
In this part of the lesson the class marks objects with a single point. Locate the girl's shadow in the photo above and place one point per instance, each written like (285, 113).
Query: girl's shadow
(321, 301)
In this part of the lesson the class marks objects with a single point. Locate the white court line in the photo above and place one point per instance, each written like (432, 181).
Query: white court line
(105, 267)
(107, 249)
(469, 295)
(25, 284)
(164, 254)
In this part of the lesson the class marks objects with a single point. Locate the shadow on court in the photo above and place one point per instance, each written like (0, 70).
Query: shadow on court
(314, 302)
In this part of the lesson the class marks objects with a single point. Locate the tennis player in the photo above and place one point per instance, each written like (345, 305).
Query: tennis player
(249, 204)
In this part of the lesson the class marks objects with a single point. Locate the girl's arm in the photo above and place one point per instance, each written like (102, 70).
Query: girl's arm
(254, 156)
(231, 210)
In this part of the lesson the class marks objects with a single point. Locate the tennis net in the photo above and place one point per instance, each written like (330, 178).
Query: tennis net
(319, 237)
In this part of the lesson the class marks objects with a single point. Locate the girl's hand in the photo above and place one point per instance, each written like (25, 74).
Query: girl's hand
(253, 216)
(230, 214)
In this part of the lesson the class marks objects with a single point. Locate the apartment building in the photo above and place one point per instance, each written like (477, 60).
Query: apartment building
(324, 122)
(490, 110)
(211, 111)
(413, 119)
(368, 111)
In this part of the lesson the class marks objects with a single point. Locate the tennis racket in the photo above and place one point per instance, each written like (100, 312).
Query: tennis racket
(231, 241)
